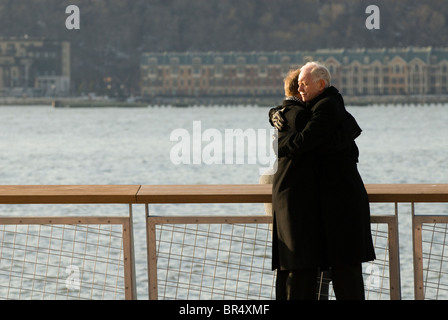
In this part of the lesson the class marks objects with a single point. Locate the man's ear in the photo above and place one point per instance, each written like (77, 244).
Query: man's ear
(322, 84)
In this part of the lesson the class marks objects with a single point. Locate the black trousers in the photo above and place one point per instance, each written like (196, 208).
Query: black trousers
(308, 284)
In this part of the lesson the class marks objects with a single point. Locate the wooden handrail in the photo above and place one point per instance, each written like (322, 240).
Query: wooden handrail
(68, 194)
(219, 193)
(407, 192)
(250, 193)
(262, 193)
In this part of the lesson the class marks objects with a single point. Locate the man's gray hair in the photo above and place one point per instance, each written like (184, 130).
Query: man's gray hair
(319, 72)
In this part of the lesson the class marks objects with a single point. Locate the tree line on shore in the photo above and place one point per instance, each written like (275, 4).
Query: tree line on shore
(106, 50)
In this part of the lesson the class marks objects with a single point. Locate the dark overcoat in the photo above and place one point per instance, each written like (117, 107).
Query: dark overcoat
(320, 206)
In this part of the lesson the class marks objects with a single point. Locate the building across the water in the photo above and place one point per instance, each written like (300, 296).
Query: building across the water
(355, 72)
(34, 67)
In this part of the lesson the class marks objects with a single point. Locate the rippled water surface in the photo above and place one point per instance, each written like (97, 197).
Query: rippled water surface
(44, 145)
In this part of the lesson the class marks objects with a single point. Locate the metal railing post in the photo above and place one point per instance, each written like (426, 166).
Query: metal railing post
(394, 258)
(130, 275)
(417, 246)
(151, 256)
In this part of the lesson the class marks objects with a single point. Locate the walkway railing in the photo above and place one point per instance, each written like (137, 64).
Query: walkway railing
(228, 257)
(85, 257)
(195, 257)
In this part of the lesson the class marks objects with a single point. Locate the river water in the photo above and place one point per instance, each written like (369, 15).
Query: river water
(45, 145)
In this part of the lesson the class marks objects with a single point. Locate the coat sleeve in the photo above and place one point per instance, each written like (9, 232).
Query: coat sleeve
(271, 113)
(326, 116)
(343, 137)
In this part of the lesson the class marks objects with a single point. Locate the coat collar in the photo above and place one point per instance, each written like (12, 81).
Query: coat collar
(293, 101)
(330, 91)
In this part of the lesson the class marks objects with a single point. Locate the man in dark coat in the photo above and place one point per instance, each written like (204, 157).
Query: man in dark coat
(320, 206)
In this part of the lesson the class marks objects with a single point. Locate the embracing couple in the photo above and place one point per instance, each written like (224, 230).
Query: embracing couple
(320, 207)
